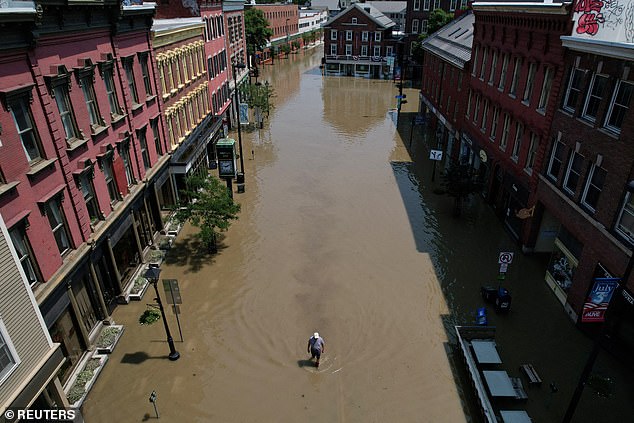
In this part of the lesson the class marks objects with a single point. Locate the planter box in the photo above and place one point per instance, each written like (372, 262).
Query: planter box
(73, 381)
(108, 349)
(138, 296)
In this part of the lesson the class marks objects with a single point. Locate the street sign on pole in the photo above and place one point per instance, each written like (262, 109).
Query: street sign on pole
(503, 267)
(505, 258)
(435, 155)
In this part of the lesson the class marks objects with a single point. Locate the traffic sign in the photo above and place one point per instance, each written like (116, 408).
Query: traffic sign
(503, 267)
(435, 155)
(505, 258)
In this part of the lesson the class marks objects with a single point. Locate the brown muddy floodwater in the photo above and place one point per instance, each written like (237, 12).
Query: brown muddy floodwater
(340, 234)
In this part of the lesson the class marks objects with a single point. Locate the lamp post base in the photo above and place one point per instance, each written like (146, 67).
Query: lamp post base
(173, 356)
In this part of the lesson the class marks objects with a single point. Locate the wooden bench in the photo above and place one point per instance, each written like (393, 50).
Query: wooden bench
(531, 373)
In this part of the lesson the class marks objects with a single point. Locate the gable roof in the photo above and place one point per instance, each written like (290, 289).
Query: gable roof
(370, 11)
(389, 6)
(453, 42)
(325, 4)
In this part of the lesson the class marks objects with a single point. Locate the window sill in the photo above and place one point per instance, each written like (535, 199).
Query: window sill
(75, 143)
(526, 103)
(492, 139)
(8, 187)
(150, 99)
(117, 118)
(528, 171)
(98, 130)
(180, 86)
(541, 111)
(39, 167)
(512, 95)
(166, 96)
(515, 159)
(136, 106)
(610, 132)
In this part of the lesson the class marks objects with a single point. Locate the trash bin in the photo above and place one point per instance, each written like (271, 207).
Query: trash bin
(503, 301)
(240, 182)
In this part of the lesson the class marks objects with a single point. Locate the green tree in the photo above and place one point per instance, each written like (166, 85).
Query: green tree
(257, 30)
(285, 49)
(257, 96)
(437, 19)
(295, 44)
(460, 182)
(209, 207)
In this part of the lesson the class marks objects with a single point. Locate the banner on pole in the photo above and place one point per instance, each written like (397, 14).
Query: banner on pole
(598, 300)
(244, 113)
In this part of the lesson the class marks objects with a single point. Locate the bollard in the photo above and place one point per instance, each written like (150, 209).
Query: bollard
(153, 401)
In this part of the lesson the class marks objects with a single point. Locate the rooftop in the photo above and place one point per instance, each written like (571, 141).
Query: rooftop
(453, 42)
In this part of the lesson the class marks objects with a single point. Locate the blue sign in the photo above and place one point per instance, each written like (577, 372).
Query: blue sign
(244, 113)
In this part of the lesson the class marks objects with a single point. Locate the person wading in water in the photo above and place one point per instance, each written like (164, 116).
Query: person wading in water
(316, 347)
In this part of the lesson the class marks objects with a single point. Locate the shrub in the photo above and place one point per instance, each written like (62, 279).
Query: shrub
(107, 336)
(149, 316)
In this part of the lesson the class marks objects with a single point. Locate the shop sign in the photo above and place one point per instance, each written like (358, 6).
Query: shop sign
(598, 300)
(628, 297)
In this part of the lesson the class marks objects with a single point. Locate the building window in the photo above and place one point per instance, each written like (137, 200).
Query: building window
(57, 220)
(485, 112)
(505, 132)
(474, 61)
(333, 35)
(436, 4)
(505, 66)
(8, 356)
(23, 120)
(595, 96)
(348, 35)
(88, 191)
(377, 51)
(111, 182)
(593, 188)
(476, 109)
(426, 4)
(88, 90)
(415, 26)
(66, 112)
(424, 25)
(625, 224)
(516, 76)
(417, 4)
(348, 49)
(364, 50)
(377, 37)
(483, 65)
(469, 103)
(452, 5)
(573, 173)
(494, 122)
(124, 152)
(532, 153)
(556, 160)
(145, 154)
(530, 80)
(333, 49)
(128, 63)
(573, 90)
(354, 20)
(517, 145)
(365, 36)
(619, 106)
(545, 94)
(145, 71)
(24, 252)
(494, 63)
(389, 51)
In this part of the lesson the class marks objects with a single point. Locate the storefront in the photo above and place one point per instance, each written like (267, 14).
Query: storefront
(564, 260)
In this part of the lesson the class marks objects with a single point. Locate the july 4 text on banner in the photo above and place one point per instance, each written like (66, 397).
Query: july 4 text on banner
(598, 300)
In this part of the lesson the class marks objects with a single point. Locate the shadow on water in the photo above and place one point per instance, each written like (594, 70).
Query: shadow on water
(140, 357)
(305, 363)
(190, 251)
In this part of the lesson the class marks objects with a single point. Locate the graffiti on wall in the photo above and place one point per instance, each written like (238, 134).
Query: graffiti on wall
(608, 20)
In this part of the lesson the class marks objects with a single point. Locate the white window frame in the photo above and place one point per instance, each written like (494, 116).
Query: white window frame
(475, 61)
(389, 51)
(505, 67)
(452, 5)
(436, 4)
(424, 25)
(569, 168)
(505, 132)
(415, 26)
(608, 116)
(364, 50)
(7, 345)
(569, 88)
(530, 81)
(348, 35)
(348, 49)
(551, 161)
(377, 36)
(354, 20)
(627, 207)
(587, 186)
(591, 95)
(426, 4)
(66, 112)
(485, 112)
(365, 36)
(546, 86)
(494, 63)
(61, 226)
(517, 69)
(333, 49)
(468, 111)
(517, 143)
(377, 51)
(476, 109)
(29, 132)
(417, 4)
(333, 35)
(532, 153)
(494, 123)
(483, 65)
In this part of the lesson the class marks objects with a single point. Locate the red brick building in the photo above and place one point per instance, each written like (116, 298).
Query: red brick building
(583, 188)
(418, 12)
(82, 147)
(516, 70)
(358, 42)
(283, 20)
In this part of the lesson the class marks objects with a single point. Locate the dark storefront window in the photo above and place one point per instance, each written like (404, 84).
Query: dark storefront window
(126, 254)
(87, 303)
(65, 333)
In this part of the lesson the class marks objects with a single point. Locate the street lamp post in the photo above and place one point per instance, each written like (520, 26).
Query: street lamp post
(286, 26)
(152, 275)
(585, 374)
(237, 101)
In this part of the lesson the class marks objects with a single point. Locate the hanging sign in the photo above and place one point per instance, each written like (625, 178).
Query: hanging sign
(244, 113)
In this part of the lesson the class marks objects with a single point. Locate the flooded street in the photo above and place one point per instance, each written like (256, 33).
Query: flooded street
(340, 233)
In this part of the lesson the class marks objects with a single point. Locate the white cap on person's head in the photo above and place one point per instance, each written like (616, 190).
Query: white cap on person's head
(316, 335)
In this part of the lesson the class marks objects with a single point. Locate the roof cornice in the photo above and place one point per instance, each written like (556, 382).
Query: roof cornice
(600, 48)
(524, 7)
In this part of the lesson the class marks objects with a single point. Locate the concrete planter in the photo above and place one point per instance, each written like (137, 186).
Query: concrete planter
(108, 338)
(84, 378)
(138, 288)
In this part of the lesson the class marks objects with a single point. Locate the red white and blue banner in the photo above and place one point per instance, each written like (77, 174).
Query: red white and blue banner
(598, 300)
